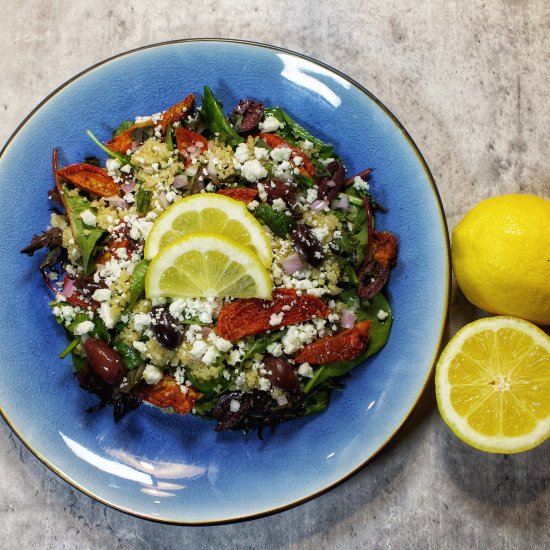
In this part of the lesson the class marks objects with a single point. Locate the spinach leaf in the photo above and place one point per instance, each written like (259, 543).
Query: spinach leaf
(137, 283)
(131, 357)
(169, 140)
(79, 362)
(143, 200)
(312, 403)
(88, 238)
(133, 378)
(212, 114)
(123, 126)
(94, 161)
(277, 221)
(260, 345)
(143, 133)
(378, 336)
(294, 132)
(216, 385)
(100, 330)
(123, 159)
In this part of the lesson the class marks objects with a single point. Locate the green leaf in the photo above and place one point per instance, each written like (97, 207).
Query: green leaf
(123, 127)
(79, 362)
(133, 378)
(212, 114)
(143, 200)
(378, 336)
(123, 159)
(88, 238)
(69, 348)
(131, 356)
(260, 344)
(137, 283)
(100, 330)
(277, 221)
(94, 161)
(169, 140)
(293, 131)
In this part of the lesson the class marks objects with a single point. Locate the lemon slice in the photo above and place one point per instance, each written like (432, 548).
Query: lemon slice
(493, 385)
(210, 213)
(206, 265)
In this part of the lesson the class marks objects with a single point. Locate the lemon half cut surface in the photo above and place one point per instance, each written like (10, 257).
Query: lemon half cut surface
(493, 385)
(207, 265)
(209, 213)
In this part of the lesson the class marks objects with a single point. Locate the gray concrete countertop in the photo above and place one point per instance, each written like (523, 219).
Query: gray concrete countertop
(469, 79)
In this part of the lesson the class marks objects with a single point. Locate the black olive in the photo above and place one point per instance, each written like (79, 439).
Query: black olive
(282, 374)
(104, 360)
(165, 328)
(329, 186)
(280, 189)
(247, 115)
(307, 244)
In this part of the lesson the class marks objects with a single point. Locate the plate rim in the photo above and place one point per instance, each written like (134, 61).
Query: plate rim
(444, 320)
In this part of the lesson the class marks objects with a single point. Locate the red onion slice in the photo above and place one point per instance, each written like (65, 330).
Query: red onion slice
(128, 186)
(282, 401)
(348, 319)
(292, 264)
(68, 288)
(319, 205)
(163, 200)
(342, 203)
(180, 181)
(117, 202)
(206, 331)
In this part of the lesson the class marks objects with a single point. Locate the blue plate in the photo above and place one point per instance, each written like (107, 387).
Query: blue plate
(177, 469)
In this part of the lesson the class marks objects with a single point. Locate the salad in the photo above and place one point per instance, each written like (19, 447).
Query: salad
(221, 266)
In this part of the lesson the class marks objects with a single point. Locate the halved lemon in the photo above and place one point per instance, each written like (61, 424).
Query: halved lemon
(207, 265)
(493, 385)
(210, 213)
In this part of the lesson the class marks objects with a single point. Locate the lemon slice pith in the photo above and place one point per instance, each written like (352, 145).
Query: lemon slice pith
(206, 265)
(493, 385)
(209, 213)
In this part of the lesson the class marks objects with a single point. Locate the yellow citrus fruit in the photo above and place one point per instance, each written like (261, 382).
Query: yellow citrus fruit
(493, 385)
(206, 265)
(501, 256)
(209, 213)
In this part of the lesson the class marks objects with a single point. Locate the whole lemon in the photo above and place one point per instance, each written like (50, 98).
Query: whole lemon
(501, 256)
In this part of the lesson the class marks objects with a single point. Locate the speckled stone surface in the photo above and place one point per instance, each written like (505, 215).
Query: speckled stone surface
(469, 80)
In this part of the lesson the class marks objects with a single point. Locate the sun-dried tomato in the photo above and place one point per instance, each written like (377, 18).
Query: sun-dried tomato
(187, 139)
(375, 272)
(341, 346)
(273, 140)
(77, 299)
(168, 393)
(90, 178)
(124, 140)
(177, 112)
(244, 194)
(384, 248)
(250, 316)
(119, 242)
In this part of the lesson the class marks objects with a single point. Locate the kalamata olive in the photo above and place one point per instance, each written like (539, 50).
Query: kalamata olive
(236, 410)
(307, 244)
(282, 374)
(165, 328)
(246, 115)
(280, 189)
(329, 186)
(373, 276)
(104, 360)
